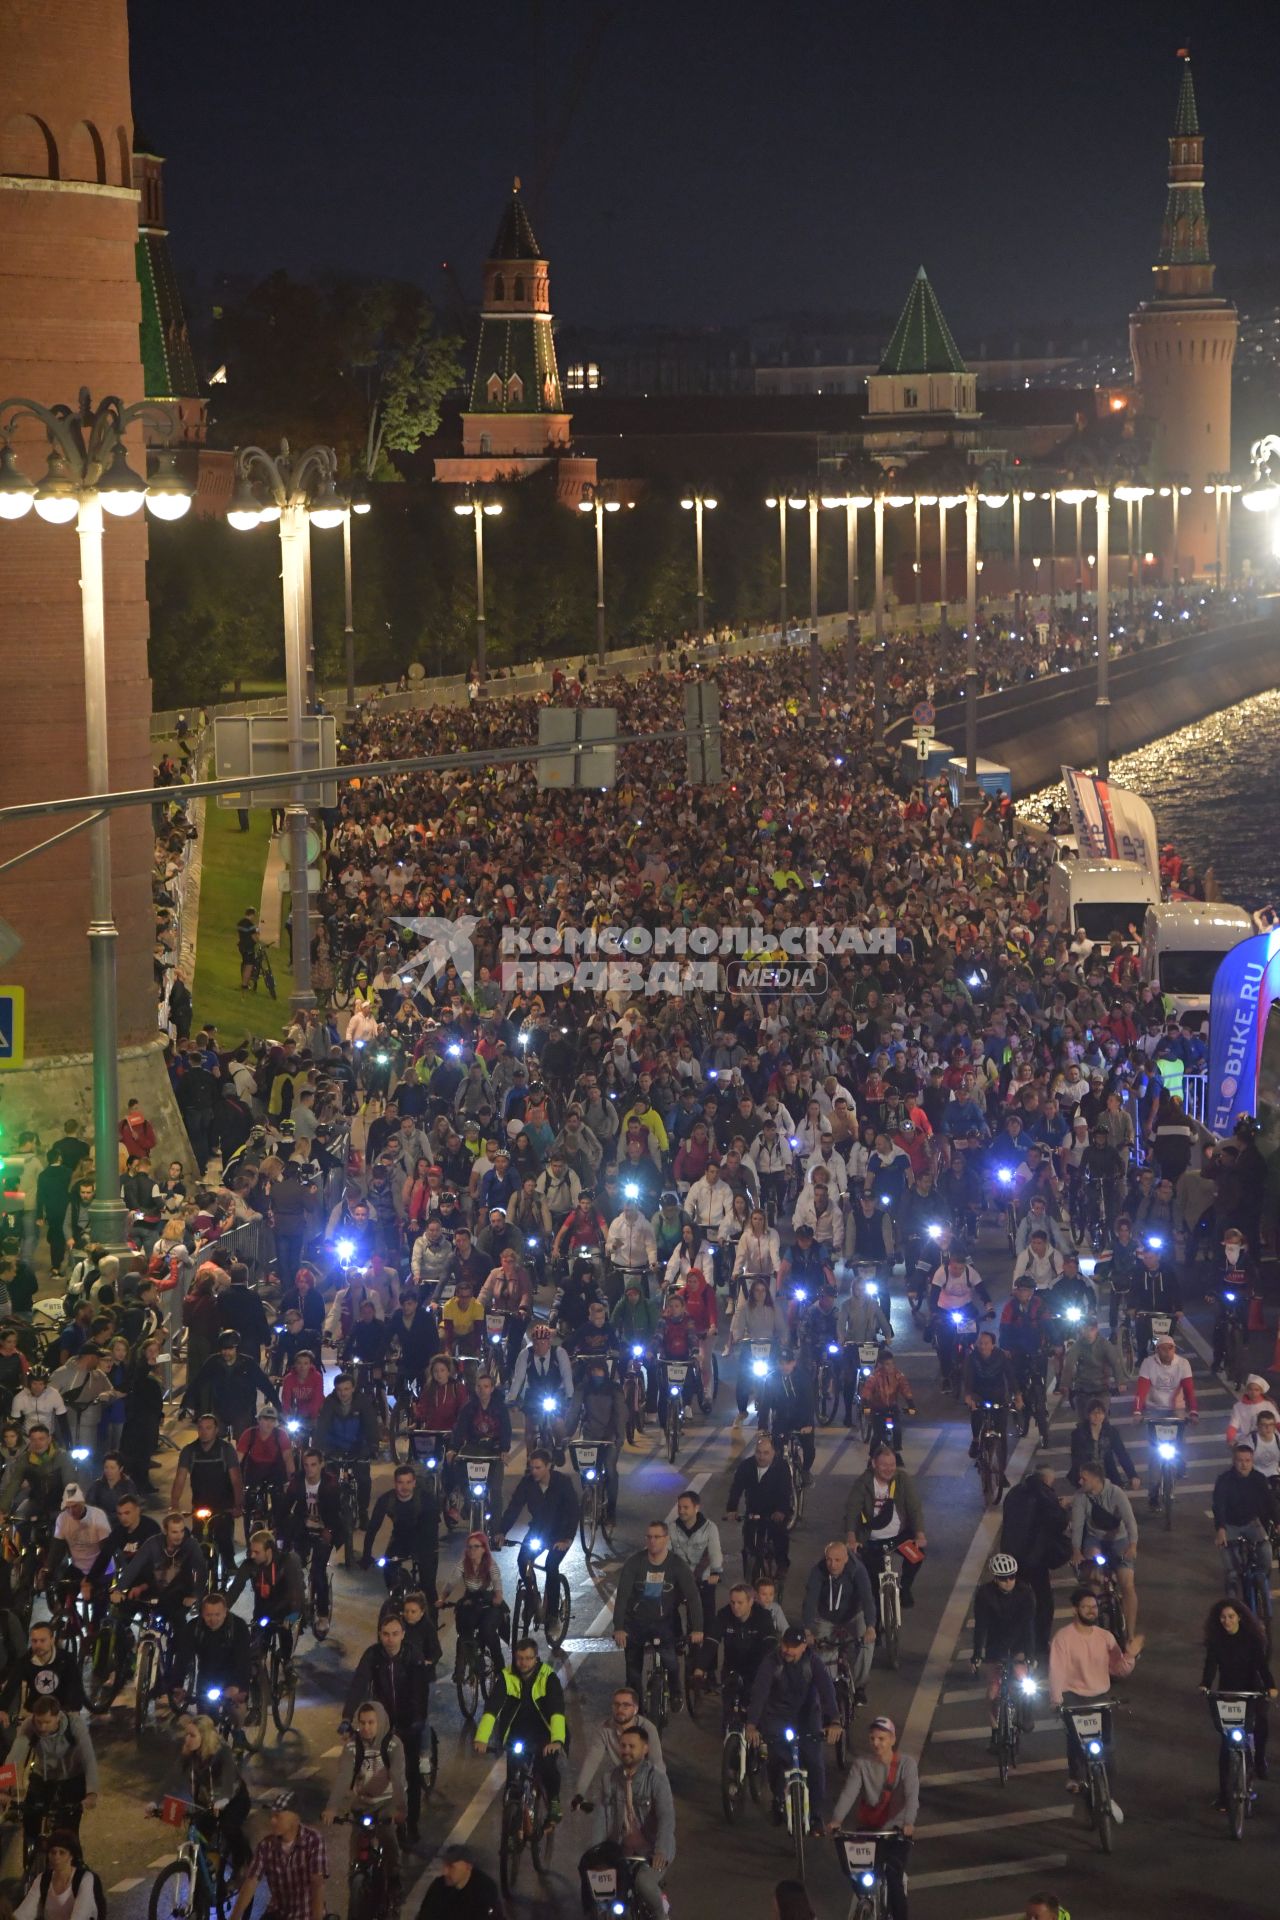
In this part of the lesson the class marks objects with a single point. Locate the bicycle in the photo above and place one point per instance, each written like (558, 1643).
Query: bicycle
(1009, 1712)
(635, 1388)
(526, 1821)
(1126, 1341)
(845, 1692)
(474, 1673)
(372, 1889)
(827, 1393)
(220, 1567)
(593, 1505)
(655, 1682)
(1229, 1335)
(348, 1505)
(889, 1589)
(108, 1661)
(1252, 1582)
(862, 1360)
(677, 1374)
(990, 1457)
(1032, 1378)
(527, 1607)
(1166, 1437)
(861, 1856)
(153, 1652)
(59, 1810)
(260, 969)
(1090, 1729)
(273, 1684)
(1109, 1596)
(760, 1557)
(198, 1884)
(742, 1769)
(795, 1800)
(479, 1512)
(792, 1451)
(1234, 1715)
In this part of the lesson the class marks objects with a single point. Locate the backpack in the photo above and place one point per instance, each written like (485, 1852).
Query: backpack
(99, 1892)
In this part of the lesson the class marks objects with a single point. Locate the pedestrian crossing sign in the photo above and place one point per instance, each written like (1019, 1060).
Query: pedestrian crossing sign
(12, 1024)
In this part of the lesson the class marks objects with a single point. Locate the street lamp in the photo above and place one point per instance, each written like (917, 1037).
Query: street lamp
(299, 491)
(946, 501)
(359, 503)
(595, 500)
(799, 502)
(852, 504)
(477, 504)
(1132, 495)
(1052, 498)
(1176, 492)
(1221, 486)
(922, 500)
(779, 500)
(87, 473)
(697, 504)
(982, 485)
(1076, 497)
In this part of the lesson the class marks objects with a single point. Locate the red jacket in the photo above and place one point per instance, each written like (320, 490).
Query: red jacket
(294, 1400)
(439, 1407)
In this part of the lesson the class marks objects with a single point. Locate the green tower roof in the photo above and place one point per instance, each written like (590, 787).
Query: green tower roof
(1187, 119)
(168, 365)
(515, 239)
(922, 340)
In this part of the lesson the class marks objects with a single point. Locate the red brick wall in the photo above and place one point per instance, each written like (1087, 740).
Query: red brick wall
(69, 318)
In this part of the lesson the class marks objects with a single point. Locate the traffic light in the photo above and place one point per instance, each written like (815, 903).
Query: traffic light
(702, 733)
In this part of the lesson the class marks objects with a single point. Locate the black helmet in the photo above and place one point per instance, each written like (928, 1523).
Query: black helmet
(228, 1338)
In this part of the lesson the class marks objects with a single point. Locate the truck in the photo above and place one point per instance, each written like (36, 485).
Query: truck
(1183, 942)
(1100, 897)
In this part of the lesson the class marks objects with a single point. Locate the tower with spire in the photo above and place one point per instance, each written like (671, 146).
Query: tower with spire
(1182, 342)
(515, 423)
(922, 376)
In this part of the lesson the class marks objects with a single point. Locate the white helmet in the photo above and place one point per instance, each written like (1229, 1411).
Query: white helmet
(1002, 1566)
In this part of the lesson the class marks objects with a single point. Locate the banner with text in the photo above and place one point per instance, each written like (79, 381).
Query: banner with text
(1111, 823)
(1244, 986)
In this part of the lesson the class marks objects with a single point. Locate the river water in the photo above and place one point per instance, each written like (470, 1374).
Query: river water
(1215, 791)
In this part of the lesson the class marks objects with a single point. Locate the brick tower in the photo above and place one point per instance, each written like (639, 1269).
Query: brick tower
(1183, 342)
(69, 317)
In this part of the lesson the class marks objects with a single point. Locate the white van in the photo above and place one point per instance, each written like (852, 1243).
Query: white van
(1182, 944)
(1099, 897)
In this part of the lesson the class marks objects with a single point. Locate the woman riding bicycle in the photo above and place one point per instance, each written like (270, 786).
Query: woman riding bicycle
(210, 1781)
(476, 1597)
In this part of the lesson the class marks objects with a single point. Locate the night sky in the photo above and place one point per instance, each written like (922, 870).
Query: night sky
(723, 159)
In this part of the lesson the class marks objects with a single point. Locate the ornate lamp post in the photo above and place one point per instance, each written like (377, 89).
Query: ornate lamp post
(298, 491)
(698, 503)
(852, 504)
(779, 501)
(359, 503)
(477, 505)
(598, 502)
(87, 474)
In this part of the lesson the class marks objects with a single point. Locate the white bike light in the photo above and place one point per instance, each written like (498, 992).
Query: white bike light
(868, 1879)
(1168, 1451)
(760, 1368)
(958, 1318)
(870, 1288)
(1029, 1685)
(1005, 1176)
(934, 1230)
(1095, 1747)
(833, 1346)
(345, 1249)
(1237, 1734)
(637, 1351)
(213, 1693)
(1073, 1314)
(534, 1546)
(800, 1294)
(675, 1391)
(548, 1406)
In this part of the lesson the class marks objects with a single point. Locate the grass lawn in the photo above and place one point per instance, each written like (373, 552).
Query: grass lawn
(230, 881)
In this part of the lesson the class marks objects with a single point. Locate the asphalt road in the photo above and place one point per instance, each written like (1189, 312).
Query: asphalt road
(980, 1850)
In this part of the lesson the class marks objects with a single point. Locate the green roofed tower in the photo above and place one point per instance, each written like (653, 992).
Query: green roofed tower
(515, 404)
(168, 364)
(922, 371)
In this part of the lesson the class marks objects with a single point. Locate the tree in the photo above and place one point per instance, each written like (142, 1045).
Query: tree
(406, 384)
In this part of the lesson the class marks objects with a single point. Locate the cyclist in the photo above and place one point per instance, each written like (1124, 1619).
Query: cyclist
(413, 1513)
(462, 1321)
(1154, 1292)
(1103, 1524)
(291, 1859)
(275, 1579)
(266, 1459)
(1234, 1274)
(526, 1703)
(792, 1688)
(1235, 1661)
(64, 1768)
(653, 1586)
(347, 1431)
(990, 1376)
(602, 1748)
(228, 1385)
(1038, 1261)
(1242, 1510)
(508, 1290)
(209, 1781)
(542, 1372)
(635, 1317)
(390, 1673)
(210, 1466)
(214, 1650)
(476, 1597)
(886, 1393)
(635, 1822)
(1083, 1659)
(302, 1392)
(1091, 1365)
(45, 1670)
(1102, 1167)
(839, 1608)
(741, 1634)
(594, 1336)
(678, 1340)
(882, 1514)
(598, 1413)
(1118, 1267)
(956, 1288)
(762, 1483)
(311, 1525)
(483, 1430)
(370, 1778)
(551, 1501)
(1004, 1628)
(1095, 1440)
(1024, 1328)
(1165, 1391)
(131, 1529)
(818, 1327)
(806, 1264)
(79, 1533)
(34, 1478)
(882, 1790)
(167, 1572)
(1038, 1219)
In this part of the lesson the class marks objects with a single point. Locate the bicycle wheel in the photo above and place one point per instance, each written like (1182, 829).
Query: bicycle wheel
(255, 1713)
(1166, 1497)
(521, 1615)
(284, 1693)
(655, 1696)
(510, 1843)
(1005, 1737)
(989, 1471)
(1079, 1220)
(173, 1893)
(429, 1763)
(890, 1626)
(845, 1710)
(589, 1518)
(673, 1435)
(797, 1481)
(543, 1842)
(828, 1396)
(144, 1682)
(557, 1621)
(733, 1771)
(1101, 1795)
(1233, 1359)
(798, 1822)
(1238, 1795)
(398, 1442)
(102, 1682)
(467, 1680)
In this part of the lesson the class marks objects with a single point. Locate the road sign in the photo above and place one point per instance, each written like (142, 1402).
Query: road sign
(12, 1026)
(247, 743)
(581, 765)
(923, 716)
(923, 748)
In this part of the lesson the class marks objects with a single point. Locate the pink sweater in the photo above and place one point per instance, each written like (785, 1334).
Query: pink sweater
(1084, 1660)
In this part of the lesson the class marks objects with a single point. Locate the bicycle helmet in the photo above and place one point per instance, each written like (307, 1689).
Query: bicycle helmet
(1002, 1566)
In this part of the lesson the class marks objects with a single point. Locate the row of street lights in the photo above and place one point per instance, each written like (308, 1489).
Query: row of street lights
(87, 474)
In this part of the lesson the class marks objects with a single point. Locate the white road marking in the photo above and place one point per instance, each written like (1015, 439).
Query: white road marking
(962, 1776)
(127, 1886)
(980, 1733)
(983, 1822)
(999, 1870)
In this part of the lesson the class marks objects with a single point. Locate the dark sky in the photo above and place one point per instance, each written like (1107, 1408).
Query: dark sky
(721, 159)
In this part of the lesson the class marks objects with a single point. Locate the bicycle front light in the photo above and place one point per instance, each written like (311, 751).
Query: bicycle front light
(631, 1191)
(1095, 1747)
(1029, 1685)
(532, 1240)
(213, 1693)
(1073, 1314)
(293, 1426)
(1155, 1242)
(760, 1368)
(637, 1351)
(619, 1906)
(535, 1546)
(279, 1328)
(590, 1474)
(675, 1392)
(79, 1453)
(1229, 1296)
(886, 1200)
(1237, 1733)
(868, 1879)
(1167, 1450)
(433, 1462)
(958, 1319)
(1101, 1559)
(495, 1339)
(517, 1746)
(345, 1249)
(479, 1488)
(267, 1623)
(382, 1559)
(548, 1406)
(833, 1346)
(454, 1052)
(934, 1231)
(384, 1059)
(800, 1294)
(871, 1289)
(366, 1820)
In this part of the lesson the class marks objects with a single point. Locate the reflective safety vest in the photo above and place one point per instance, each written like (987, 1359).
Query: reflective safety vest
(514, 1685)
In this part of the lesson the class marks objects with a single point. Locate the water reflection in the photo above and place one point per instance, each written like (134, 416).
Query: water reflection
(1215, 791)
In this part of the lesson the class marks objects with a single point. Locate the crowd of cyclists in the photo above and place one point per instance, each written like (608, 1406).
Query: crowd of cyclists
(508, 1222)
